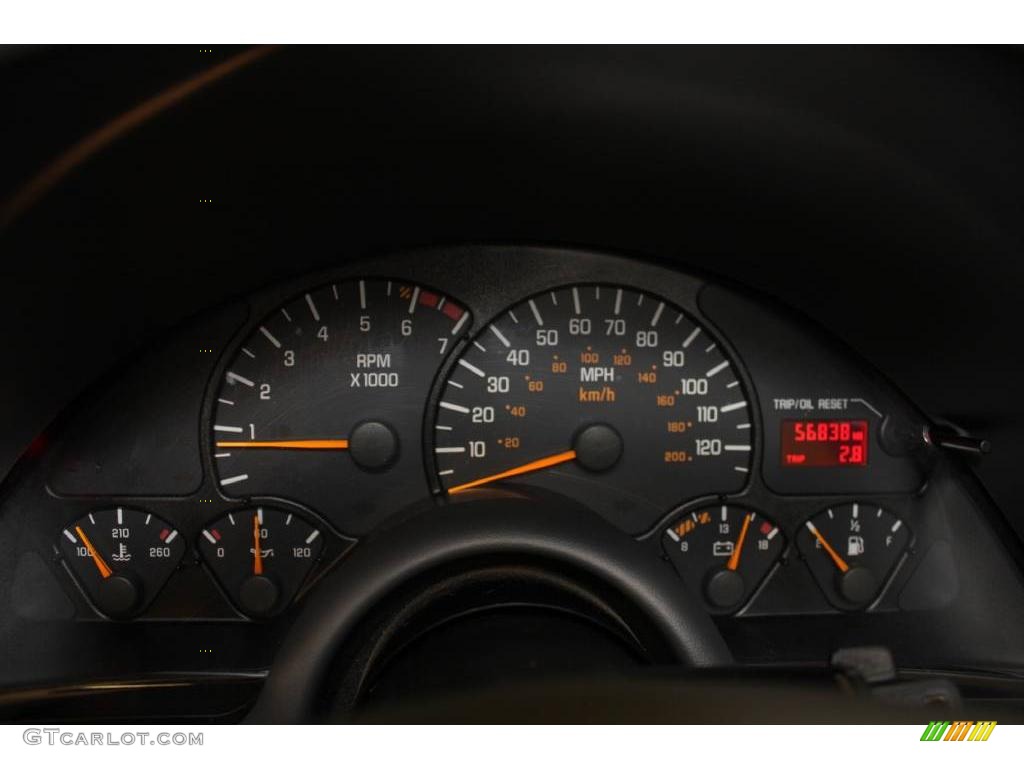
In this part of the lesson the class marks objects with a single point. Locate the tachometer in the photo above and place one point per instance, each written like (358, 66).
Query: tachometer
(323, 403)
(608, 395)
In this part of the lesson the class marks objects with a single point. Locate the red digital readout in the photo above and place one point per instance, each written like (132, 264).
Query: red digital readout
(824, 443)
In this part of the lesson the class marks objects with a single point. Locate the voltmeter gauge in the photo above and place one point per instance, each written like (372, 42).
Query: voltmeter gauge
(261, 557)
(852, 549)
(121, 557)
(725, 552)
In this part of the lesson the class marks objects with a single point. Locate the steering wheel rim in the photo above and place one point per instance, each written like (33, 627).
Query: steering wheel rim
(481, 526)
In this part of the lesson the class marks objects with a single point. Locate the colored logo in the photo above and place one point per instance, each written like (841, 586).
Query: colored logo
(960, 730)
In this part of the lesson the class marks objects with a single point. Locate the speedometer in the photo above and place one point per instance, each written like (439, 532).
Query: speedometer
(607, 395)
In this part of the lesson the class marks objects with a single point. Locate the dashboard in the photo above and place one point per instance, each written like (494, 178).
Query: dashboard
(186, 509)
(505, 367)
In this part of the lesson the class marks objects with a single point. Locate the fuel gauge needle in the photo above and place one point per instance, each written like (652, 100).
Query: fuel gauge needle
(734, 559)
(101, 564)
(257, 554)
(302, 445)
(522, 469)
(840, 563)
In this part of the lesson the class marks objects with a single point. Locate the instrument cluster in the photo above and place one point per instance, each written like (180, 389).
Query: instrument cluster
(344, 402)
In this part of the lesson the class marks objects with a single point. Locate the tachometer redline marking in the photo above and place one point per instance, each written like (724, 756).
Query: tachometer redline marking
(462, 321)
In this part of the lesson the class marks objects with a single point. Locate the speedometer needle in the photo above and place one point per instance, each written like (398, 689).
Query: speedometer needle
(307, 445)
(101, 564)
(840, 563)
(533, 466)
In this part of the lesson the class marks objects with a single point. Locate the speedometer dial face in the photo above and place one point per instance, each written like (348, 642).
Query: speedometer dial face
(323, 402)
(608, 395)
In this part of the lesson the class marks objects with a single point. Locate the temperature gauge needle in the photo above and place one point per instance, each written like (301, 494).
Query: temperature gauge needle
(302, 445)
(533, 466)
(840, 563)
(734, 559)
(257, 555)
(101, 564)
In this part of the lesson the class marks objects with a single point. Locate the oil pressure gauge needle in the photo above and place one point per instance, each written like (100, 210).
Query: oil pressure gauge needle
(307, 445)
(840, 563)
(257, 555)
(101, 564)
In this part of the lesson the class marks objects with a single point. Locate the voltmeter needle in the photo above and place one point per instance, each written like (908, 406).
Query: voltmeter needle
(734, 559)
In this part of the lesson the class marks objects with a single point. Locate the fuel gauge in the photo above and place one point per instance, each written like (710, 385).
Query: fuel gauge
(724, 551)
(852, 550)
(261, 557)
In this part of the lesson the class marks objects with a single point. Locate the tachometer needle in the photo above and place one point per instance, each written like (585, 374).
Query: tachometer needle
(533, 466)
(302, 445)
(840, 563)
(257, 555)
(734, 559)
(101, 564)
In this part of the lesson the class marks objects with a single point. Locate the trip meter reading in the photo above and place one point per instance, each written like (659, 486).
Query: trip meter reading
(323, 402)
(831, 443)
(607, 395)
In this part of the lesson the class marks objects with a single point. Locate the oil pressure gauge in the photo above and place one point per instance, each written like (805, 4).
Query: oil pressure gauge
(261, 557)
(852, 549)
(724, 551)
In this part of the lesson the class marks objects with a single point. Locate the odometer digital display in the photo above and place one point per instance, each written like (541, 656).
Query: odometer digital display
(606, 395)
(824, 443)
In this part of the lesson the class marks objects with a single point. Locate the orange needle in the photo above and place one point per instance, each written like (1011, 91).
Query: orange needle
(101, 564)
(840, 563)
(533, 466)
(734, 560)
(308, 445)
(257, 555)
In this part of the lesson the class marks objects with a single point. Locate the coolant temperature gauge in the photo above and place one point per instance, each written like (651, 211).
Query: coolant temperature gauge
(725, 552)
(260, 557)
(121, 558)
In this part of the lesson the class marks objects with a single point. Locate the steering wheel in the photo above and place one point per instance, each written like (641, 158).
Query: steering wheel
(486, 552)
